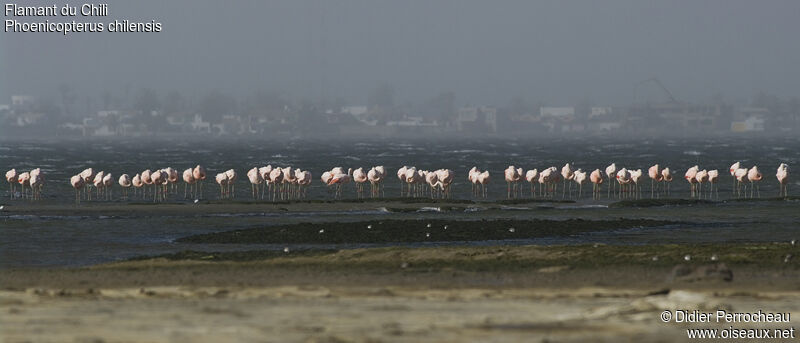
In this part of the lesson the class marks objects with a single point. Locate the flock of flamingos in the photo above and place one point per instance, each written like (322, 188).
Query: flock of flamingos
(291, 184)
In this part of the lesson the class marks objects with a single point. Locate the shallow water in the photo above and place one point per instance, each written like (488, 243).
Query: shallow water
(45, 239)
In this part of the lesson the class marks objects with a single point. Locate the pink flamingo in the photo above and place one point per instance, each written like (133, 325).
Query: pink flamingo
(340, 179)
(375, 176)
(107, 183)
(754, 176)
(512, 177)
(125, 182)
(401, 175)
(596, 177)
(690, 177)
(783, 179)
(304, 181)
(655, 178)
(88, 178)
(37, 183)
(77, 183)
(231, 182)
(11, 177)
(98, 183)
(446, 177)
(666, 174)
(742, 180)
(157, 178)
(483, 179)
(701, 177)
(137, 183)
(611, 173)
(276, 179)
(567, 174)
(255, 181)
(623, 179)
(188, 181)
(172, 178)
(199, 174)
(222, 181)
(580, 178)
(713, 177)
(147, 180)
(531, 176)
(733, 169)
(360, 178)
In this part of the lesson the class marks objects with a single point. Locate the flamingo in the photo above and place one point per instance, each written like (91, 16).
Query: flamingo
(531, 176)
(733, 169)
(742, 180)
(147, 180)
(512, 177)
(125, 182)
(666, 173)
(375, 176)
(11, 177)
(580, 179)
(655, 177)
(596, 177)
(611, 173)
(157, 178)
(172, 178)
(107, 183)
(137, 182)
(446, 177)
(340, 180)
(255, 181)
(567, 174)
(37, 183)
(432, 179)
(188, 180)
(783, 179)
(303, 180)
(276, 179)
(623, 178)
(264, 171)
(98, 182)
(199, 174)
(483, 179)
(326, 179)
(222, 181)
(701, 177)
(401, 175)
(713, 177)
(359, 177)
(77, 183)
(636, 175)
(231, 182)
(411, 178)
(472, 177)
(690, 177)
(24, 179)
(754, 176)
(88, 178)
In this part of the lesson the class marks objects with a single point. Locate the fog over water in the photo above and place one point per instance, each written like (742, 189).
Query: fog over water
(554, 52)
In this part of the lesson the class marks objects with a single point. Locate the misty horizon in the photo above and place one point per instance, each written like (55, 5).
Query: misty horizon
(554, 53)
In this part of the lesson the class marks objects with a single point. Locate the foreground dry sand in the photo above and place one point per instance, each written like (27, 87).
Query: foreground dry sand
(361, 314)
(454, 294)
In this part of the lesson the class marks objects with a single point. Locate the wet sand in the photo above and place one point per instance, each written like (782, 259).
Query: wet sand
(522, 293)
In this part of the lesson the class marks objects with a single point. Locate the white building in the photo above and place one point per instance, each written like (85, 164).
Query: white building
(22, 100)
(600, 111)
(564, 113)
(475, 115)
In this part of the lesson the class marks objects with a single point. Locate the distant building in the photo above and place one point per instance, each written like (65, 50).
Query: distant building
(600, 112)
(4, 107)
(562, 113)
(198, 125)
(477, 119)
(22, 100)
(749, 119)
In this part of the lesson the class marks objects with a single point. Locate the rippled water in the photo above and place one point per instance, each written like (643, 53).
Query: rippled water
(32, 239)
(60, 160)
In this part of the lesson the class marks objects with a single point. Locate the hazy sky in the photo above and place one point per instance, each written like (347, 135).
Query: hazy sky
(557, 52)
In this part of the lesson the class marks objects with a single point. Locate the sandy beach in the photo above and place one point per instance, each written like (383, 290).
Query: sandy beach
(524, 293)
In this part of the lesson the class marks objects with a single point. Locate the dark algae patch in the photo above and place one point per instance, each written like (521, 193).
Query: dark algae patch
(409, 231)
(517, 258)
